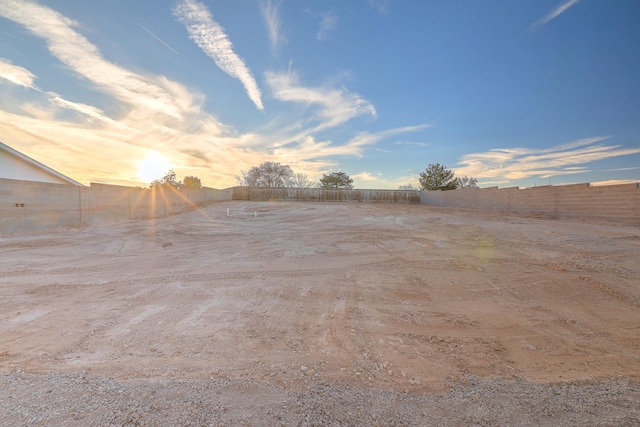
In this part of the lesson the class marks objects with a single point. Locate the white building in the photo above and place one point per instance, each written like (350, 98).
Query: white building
(15, 165)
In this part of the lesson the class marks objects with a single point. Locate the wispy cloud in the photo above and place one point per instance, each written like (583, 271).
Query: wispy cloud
(15, 74)
(415, 144)
(87, 110)
(159, 39)
(271, 16)
(366, 138)
(622, 169)
(382, 6)
(364, 176)
(562, 7)
(22, 77)
(329, 22)
(153, 112)
(213, 41)
(77, 53)
(298, 152)
(510, 164)
(334, 106)
(145, 115)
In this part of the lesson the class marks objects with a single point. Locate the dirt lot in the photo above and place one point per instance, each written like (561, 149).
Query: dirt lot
(310, 313)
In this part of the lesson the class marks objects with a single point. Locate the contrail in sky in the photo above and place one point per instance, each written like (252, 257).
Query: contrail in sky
(213, 41)
(158, 38)
(552, 15)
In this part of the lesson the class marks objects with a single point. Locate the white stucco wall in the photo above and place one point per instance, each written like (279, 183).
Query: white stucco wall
(12, 167)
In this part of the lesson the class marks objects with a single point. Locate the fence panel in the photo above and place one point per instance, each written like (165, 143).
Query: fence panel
(325, 195)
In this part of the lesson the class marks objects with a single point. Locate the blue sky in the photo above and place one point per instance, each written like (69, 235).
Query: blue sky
(514, 93)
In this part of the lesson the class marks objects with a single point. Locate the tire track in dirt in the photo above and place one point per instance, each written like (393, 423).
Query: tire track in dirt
(606, 289)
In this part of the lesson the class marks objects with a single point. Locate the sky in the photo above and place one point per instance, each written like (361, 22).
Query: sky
(514, 93)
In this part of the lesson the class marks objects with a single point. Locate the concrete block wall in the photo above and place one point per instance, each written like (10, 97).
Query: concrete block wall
(539, 200)
(615, 202)
(107, 203)
(174, 201)
(28, 206)
(112, 202)
(495, 199)
(620, 203)
(145, 203)
(574, 200)
(433, 198)
(463, 198)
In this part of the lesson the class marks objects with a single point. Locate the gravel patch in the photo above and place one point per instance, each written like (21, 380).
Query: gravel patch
(78, 399)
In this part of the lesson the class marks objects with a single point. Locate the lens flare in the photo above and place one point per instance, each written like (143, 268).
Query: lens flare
(155, 166)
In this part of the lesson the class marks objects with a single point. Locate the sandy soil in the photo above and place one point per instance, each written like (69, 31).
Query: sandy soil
(396, 298)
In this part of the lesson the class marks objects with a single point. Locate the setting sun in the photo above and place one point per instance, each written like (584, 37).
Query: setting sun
(155, 166)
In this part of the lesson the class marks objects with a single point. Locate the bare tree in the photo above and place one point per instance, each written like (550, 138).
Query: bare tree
(268, 174)
(243, 179)
(467, 182)
(301, 180)
(407, 187)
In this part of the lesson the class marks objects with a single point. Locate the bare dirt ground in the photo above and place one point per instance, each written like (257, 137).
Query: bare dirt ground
(311, 313)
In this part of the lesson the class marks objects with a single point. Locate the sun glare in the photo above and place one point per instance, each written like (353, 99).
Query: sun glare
(153, 167)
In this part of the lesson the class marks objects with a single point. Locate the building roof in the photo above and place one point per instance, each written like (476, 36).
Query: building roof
(44, 172)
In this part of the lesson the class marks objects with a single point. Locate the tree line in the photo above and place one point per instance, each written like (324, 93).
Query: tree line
(277, 175)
